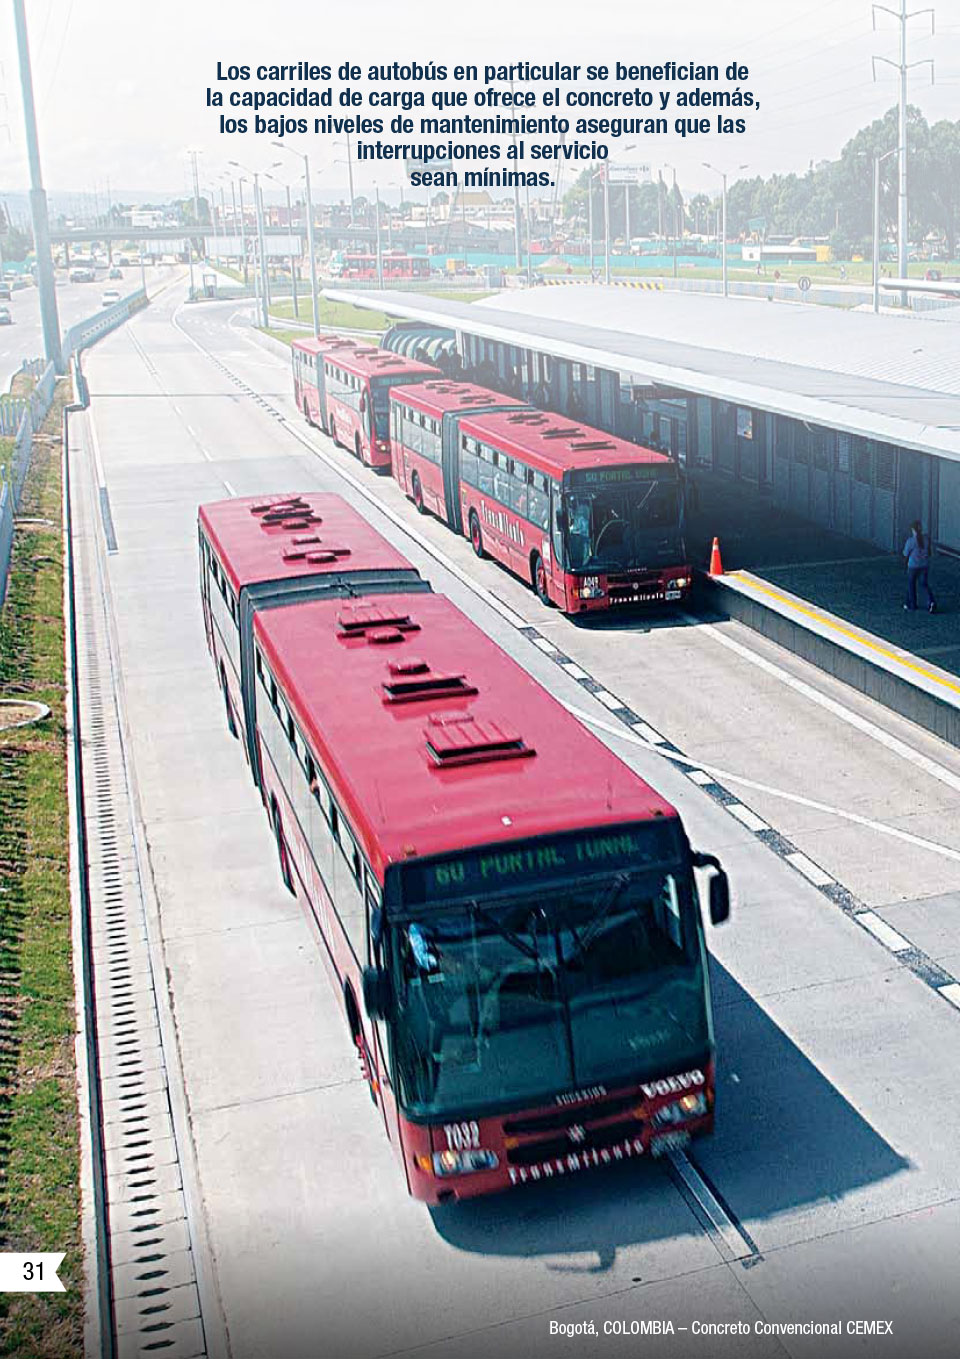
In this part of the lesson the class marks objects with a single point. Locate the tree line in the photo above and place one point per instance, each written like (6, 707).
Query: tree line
(833, 199)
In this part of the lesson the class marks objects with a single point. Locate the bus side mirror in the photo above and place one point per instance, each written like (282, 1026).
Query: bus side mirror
(562, 520)
(377, 994)
(719, 887)
(719, 898)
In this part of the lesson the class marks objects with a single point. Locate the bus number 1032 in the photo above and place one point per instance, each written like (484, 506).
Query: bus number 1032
(462, 1136)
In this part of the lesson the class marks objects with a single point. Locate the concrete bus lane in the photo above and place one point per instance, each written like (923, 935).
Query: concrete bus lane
(729, 709)
(828, 1048)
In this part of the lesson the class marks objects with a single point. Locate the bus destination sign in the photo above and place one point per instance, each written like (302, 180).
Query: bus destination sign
(497, 867)
(616, 476)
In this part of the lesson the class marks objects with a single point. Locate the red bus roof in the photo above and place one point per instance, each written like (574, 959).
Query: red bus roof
(553, 443)
(439, 395)
(406, 798)
(368, 361)
(282, 537)
(322, 344)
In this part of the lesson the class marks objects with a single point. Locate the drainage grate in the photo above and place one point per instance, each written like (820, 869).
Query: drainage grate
(156, 1304)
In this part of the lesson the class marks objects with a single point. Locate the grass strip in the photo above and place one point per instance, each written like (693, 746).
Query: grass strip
(39, 1136)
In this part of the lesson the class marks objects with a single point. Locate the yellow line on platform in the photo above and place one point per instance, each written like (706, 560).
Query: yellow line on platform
(829, 622)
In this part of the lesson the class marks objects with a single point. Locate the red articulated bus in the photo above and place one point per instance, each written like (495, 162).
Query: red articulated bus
(263, 552)
(392, 266)
(589, 520)
(309, 388)
(357, 383)
(508, 913)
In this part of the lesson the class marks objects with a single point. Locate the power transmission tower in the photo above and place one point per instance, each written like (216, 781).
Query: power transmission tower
(903, 16)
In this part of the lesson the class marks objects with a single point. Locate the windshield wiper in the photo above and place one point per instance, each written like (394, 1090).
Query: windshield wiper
(606, 906)
(519, 944)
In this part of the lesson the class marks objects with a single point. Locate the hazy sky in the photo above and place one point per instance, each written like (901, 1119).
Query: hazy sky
(120, 88)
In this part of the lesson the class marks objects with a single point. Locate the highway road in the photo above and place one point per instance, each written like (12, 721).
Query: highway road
(75, 302)
(831, 1189)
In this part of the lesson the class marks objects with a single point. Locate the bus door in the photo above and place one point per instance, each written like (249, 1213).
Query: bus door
(366, 413)
(450, 460)
(320, 375)
(380, 1055)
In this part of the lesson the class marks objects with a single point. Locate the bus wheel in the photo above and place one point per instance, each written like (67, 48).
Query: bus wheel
(476, 537)
(539, 572)
(231, 720)
(306, 412)
(285, 870)
(418, 495)
(333, 433)
(357, 451)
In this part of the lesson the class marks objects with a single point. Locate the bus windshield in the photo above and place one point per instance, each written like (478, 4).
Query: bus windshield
(513, 1001)
(624, 526)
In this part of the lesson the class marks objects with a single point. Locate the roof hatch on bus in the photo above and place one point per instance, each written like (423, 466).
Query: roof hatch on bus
(460, 740)
(425, 684)
(357, 620)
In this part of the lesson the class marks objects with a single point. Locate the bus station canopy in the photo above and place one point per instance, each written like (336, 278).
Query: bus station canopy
(892, 377)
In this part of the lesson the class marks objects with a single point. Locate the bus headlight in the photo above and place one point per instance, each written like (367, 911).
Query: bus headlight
(689, 1106)
(590, 588)
(463, 1162)
(680, 583)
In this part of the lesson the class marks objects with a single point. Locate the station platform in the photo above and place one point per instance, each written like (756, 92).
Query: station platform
(834, 600)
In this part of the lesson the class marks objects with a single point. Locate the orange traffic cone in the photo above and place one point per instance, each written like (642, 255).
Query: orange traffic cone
(716, 565)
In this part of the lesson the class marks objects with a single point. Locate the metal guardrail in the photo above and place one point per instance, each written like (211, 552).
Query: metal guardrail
(6, 537)
(22, 416)
(85, 333)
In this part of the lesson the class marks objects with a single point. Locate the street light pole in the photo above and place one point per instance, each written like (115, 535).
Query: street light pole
(529, 266)
(379, 251)
(314, 292)
(243, 236)
(590, 214)
(258, 209)
(723, 221)
(876, 224)
(606, 221)
(38, 203)
(350, 176)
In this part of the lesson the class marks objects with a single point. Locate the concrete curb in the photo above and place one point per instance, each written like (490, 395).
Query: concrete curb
(908, 685)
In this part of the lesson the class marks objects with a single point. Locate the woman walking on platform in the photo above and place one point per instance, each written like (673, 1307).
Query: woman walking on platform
(917, 552)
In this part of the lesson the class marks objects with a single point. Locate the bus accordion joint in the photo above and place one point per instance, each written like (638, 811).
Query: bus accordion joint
(461, 740)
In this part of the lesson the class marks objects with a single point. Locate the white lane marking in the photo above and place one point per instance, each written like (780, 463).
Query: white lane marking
(609, 700)
(545, 646)
(852, 719)
(887, 935)
(950, 992)
(724, 776)
(749, 818)
(713, 1210)
(700, 776)
(809, 869)
(574, 670)
(229, 488)
(647, 733)
(101, 479)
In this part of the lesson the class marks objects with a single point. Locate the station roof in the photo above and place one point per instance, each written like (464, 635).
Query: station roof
(890, 377)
